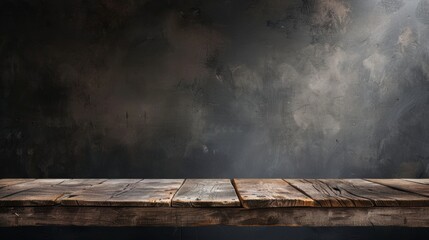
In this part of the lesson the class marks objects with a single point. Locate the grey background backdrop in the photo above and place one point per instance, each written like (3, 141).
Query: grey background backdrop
(297, 88)
(214, 88)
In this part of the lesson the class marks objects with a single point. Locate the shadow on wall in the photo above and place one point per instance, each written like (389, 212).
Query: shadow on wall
(157, 88)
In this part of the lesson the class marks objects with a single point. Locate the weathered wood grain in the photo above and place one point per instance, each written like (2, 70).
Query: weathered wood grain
(13, 181)
(405, 185)
(118, 202)
(328, 196)
(42, 192)
(254, 193)
(127, 192)
(379, 195)
(101, 194)
(206, 193)
(36, 192)
(191, 217)
(19, 187)
(263, 193)
(418, 180)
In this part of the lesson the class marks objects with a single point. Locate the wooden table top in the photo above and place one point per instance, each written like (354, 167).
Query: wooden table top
(21, 199)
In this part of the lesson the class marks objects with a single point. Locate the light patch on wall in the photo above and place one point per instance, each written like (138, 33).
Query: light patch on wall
(308, 117)
(375, 64)
(288, 74)
(326, 82)
(406, 38)
(329, 125)
(245, 80)
(331, 13)
(330, 80)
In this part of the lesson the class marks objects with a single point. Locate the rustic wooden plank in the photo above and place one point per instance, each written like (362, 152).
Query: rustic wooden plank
(328, 196)
(30, 193)
(404, 185)
(42, 192)
(127, 192)
(206, 193)
(13, 181)
(81, 182)
(379, 195)
(100, 194)
(191, 217)
(418, 180)
(262, 193)
(22, 186)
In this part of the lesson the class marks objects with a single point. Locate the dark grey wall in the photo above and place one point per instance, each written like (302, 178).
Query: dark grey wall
(214, 88)
(110, 88)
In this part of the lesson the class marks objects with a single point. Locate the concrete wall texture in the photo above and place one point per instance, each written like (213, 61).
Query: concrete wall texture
(214, 88)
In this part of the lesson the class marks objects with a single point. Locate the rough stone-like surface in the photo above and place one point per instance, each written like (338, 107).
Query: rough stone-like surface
(156, 88)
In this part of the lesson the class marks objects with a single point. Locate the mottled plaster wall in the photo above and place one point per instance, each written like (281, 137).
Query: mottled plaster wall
(312, 88)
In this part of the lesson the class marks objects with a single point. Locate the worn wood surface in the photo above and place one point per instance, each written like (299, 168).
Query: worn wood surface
(410, 186)
(200, 202)
(191, 217)
(419, 180)
(42, 192)
(378, 195)
(253, 193)
(11, 189)
(327, 195)
(127, 192)
(206, 193)
(13, 181)
(263, 193)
